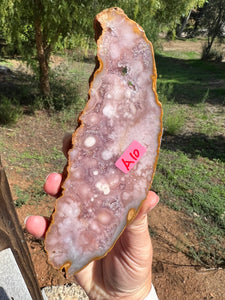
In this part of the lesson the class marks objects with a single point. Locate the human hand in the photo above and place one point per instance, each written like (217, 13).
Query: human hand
(126, 271)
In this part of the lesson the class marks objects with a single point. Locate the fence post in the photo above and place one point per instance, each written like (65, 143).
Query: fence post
(12, 236)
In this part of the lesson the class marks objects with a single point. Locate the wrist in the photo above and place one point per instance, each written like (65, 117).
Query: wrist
(140, 294)
(145, 293)
(149, 294)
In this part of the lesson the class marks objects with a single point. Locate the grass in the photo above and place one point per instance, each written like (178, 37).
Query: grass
(173, 114)
(190, 173)
(191, 79)
(32, 195)
(20, 89)
(182, 55)
(21, 197)
(10, 111)
(194, 185)
(191, 168)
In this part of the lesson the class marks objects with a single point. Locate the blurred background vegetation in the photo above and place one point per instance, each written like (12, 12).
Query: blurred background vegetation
(47, 53)
(35, 29)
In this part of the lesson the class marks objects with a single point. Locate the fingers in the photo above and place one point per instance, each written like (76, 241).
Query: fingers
(53, 183)
(37, 225)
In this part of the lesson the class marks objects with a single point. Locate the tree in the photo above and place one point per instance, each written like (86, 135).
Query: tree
(169, 12)
(184, 23)
(213, 19)
(35, 27)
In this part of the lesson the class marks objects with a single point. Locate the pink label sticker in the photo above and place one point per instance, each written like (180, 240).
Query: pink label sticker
(130, 157)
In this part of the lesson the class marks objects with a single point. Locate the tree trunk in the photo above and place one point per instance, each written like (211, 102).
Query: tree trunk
(184, 23)
(42, 56)
(212, 37)
(11, 236)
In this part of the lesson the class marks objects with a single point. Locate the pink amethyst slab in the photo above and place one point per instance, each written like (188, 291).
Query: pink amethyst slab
(98, 198)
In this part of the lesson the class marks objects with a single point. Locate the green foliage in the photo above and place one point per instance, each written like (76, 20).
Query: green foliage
(64, 93)
(39, 27)
(10, 111)
(211, 54)
(190, 171)
(188, 183)
(169, 12)
(69, 82)
(21, 197)
(213, 19)
(205, 97)
(35, 29)
(173, 116)
(70, 22)
(174, 121)
(32, 195)
(190, 78)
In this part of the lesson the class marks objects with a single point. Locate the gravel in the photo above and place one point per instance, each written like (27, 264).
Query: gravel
(65, 292)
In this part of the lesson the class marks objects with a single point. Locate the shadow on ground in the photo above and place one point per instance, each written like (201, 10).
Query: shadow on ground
(23, 89)
(197, 144)
(17, 85)
(192, 79)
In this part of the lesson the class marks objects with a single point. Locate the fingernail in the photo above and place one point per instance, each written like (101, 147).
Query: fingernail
(49, 175)
(154, 203)
(25, 221)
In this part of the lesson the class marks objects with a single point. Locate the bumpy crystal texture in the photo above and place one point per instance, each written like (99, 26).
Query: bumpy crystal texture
(123, 107)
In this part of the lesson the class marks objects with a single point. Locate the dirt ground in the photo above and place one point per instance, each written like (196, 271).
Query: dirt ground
(179, 45)
(175, 275)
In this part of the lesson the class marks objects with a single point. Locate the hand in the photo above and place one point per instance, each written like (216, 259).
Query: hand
(126, 271)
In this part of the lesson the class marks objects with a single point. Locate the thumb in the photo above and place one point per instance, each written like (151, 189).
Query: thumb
(149, 203)
(136, 234)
